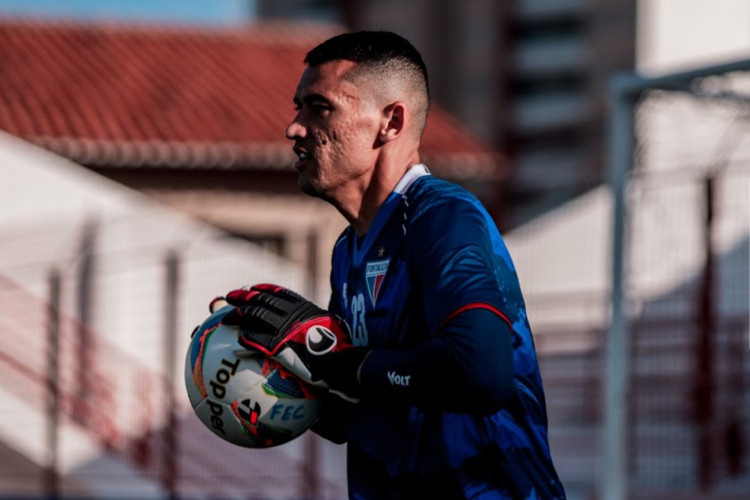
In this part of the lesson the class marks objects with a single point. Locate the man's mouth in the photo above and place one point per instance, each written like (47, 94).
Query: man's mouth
(302, 158)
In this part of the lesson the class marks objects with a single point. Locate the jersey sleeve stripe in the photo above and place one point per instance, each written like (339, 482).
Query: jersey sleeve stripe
(474, 305)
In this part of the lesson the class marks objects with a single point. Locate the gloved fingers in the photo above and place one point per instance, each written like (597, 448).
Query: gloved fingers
(241, 296)
(258, 342)
(279, 291)
(255, 319)
(271, 295)
(255, 302)
(267, 287)
(217, 303)
(277, 304)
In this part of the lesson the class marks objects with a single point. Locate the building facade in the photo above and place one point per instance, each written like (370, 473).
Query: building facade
(530, 76)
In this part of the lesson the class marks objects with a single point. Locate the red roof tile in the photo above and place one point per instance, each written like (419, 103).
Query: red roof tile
(114, 95)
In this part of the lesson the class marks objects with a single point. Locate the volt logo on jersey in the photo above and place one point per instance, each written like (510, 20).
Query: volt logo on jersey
(399, 380)
(374, 276)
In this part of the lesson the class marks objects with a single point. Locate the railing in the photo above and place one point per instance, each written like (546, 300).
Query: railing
(120, 404)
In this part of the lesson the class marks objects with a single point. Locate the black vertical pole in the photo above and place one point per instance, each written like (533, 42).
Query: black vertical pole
(170, 322)
(52, 486)
(614, 477)
(501, 126)
(733, 434)
(704, 386)
(310, 468)
(86, 346)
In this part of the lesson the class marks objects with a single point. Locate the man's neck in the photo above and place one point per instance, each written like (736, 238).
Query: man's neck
(373, 199)
(362, 205)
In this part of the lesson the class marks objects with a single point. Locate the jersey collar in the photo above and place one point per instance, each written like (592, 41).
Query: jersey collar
(411, 175)
(384, 213)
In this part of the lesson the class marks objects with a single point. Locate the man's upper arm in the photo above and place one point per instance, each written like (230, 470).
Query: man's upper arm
(452, 257)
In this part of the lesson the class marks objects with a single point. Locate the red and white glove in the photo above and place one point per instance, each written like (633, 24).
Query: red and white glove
(309, 341)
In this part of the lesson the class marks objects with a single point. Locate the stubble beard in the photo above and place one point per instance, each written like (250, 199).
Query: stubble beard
(310, 185)
(313, 187)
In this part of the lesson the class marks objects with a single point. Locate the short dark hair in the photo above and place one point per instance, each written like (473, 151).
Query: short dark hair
(371, 49)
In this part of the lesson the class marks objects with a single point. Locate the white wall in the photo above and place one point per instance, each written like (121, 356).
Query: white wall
(45, 203)
(675, 35)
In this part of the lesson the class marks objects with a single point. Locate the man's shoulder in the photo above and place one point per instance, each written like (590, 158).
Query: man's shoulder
(430, 193)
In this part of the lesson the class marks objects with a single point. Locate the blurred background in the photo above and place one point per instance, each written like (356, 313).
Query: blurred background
(144, 170)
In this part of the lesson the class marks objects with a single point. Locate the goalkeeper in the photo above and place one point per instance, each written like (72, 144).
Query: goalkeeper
(425, 345)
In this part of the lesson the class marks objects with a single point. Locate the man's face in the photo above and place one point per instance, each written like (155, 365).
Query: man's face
(335, 130)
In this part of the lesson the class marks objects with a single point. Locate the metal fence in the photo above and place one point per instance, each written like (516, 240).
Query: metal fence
(94, 325)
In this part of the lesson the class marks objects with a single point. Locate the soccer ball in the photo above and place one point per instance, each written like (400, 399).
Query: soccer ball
(245, 398)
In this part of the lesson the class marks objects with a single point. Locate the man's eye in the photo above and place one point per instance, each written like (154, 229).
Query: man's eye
(320, 108)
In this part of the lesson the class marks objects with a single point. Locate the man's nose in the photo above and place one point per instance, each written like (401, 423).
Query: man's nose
(295, 130)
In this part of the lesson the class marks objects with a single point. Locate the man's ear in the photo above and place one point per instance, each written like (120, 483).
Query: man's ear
(393, 122)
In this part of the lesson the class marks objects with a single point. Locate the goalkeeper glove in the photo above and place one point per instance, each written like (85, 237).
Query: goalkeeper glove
(309, 341)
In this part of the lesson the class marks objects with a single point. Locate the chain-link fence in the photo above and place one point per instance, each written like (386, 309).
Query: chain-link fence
(682, 214)
(95, 318)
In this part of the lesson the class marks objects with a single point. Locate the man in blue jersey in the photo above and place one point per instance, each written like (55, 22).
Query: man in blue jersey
(435, 362)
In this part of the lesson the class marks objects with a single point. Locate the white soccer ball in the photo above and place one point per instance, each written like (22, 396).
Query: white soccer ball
(245, 398)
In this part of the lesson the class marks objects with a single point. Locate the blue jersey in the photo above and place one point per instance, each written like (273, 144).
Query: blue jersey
(431, 288)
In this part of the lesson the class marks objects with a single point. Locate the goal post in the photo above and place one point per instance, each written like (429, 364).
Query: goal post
(667, 134)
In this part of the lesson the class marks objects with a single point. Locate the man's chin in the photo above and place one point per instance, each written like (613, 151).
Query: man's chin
(309, 188)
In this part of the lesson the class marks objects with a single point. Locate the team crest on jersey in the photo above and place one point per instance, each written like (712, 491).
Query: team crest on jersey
(374, 276)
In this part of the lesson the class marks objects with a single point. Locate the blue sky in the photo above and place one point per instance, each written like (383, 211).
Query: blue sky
(177, 11)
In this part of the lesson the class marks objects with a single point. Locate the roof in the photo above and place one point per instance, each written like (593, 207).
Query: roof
(118, 95)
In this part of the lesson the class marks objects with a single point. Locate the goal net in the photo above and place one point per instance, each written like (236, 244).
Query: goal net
(678, 391)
